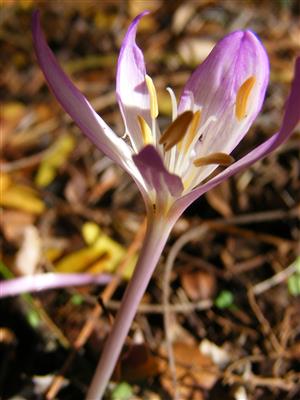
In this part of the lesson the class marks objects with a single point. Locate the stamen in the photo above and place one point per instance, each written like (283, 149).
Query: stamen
(214, 158)
(193, 130)
(242, 98)
(173, 102)
(185, 156)
(153, 97)
(176, 131)
(145, 129)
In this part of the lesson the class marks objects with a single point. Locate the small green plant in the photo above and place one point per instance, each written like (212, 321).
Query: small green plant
(123, 391)
(225, 299)
(293, 282)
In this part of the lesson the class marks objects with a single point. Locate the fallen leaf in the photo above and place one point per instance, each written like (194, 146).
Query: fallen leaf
(104, 254)
(57, 156)
(21, 197)
(138, 364)
(13, 222)
(29, 254)
(194, 371)
(198, 285)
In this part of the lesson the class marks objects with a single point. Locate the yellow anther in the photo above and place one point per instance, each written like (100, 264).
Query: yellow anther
(242, 98)
(193, 130)
(153, 97)
(145, 129)
(214, 158)
(176, 131)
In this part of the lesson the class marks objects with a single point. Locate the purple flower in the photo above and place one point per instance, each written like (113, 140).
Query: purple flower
(218, 105)
(173, 168)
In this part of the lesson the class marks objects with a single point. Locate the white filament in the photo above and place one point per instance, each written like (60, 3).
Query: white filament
(173, 102)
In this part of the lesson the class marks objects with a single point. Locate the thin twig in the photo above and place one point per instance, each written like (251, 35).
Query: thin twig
(284, 383)
(266, 327)
(192, 234)
(275, 279)
(159, 309)
(25, 162)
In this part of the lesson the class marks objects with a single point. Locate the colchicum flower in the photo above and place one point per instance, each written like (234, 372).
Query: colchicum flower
(173, 168)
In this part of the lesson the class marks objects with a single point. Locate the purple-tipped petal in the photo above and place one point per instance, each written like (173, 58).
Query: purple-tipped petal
(40, 282)
(290, 120)
(214, 87)
(132, 90)
(74, 103)
(151, 167)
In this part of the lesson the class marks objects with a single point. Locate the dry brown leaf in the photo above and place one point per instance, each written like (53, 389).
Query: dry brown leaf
(194, 371)
(219, 199)
(13, 223)
(199, 285)
(138, 364)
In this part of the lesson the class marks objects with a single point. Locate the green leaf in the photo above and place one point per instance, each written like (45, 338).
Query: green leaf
(294, 284)
(33, 318)
(225, 299)
(123, 391)
(77, 299)
(297, 262)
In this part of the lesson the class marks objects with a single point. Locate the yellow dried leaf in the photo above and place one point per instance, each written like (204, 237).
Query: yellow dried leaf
(5, 182)
(90, 232)
(128, 271)
(103, 256)
(59, 152)
(113, 252)
(79, 260)
(13, 110)
(53, 253)
(19, 197)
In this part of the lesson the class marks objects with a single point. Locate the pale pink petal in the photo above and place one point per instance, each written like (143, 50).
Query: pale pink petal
(75, 104)
(290, 120)
(214, 86)
(132, 91)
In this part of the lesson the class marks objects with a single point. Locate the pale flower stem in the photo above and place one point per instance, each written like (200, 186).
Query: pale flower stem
(156, 236)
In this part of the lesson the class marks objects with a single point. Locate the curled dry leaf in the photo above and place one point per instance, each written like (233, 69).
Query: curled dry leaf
(138, 364)
(194, 372)
(57, 156)
(198, 285)
(29, 255)
(13, 222)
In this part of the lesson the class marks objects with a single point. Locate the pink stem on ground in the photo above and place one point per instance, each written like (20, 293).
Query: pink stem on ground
(46, 281)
